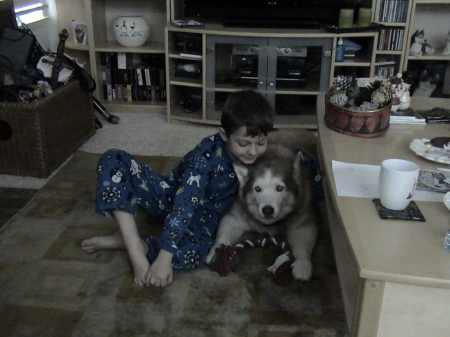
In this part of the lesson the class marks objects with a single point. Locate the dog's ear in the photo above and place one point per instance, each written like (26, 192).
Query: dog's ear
(297, 162)
(241, 173)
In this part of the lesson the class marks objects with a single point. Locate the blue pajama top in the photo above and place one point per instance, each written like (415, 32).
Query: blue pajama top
(205, 184)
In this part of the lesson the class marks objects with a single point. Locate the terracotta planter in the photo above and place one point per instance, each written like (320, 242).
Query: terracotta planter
(355, 123)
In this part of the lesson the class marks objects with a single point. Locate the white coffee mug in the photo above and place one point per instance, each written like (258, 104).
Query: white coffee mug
(398, 179)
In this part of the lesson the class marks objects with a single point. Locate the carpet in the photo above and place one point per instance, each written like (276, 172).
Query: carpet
(49, 287)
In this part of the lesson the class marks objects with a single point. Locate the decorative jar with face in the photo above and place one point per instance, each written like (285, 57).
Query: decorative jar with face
(131, 31)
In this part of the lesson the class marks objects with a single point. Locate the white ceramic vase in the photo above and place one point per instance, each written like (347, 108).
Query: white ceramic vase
(131, 31)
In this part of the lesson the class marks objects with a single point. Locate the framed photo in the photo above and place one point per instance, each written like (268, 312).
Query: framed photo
(79, 32)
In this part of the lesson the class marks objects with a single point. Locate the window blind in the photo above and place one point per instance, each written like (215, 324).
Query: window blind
(31, 10)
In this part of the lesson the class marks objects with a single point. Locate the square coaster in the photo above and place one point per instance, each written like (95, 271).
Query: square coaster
(412, 212)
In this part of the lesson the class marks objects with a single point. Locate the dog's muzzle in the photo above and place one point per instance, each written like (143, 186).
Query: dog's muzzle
(268, 211)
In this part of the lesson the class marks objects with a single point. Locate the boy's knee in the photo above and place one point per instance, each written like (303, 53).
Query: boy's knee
(111, 153)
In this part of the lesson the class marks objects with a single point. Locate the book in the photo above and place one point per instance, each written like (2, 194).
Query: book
(435, 115)
(435, 181)
(407, 116)
(194, 56)
(384, 63)
(187, 24)
(121, 61)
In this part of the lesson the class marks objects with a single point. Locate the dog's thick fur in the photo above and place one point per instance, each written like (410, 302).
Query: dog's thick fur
(275, 192)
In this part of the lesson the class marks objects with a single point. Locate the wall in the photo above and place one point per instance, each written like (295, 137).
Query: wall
(45, 30)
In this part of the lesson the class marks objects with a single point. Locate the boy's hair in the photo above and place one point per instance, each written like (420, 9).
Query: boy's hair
(250, 109)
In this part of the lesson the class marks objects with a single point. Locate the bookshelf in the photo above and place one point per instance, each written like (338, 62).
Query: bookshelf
(99, 16)
(132, 77)
(393, 37)
(384, 52)
(361, 64)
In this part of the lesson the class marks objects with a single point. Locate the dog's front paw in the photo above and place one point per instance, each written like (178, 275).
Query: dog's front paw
(302, 269)
(211, 254)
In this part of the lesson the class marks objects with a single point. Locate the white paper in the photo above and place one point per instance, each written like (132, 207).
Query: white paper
(361, 181)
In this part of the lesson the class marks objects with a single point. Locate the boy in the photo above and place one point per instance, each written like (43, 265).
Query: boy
(192, 198)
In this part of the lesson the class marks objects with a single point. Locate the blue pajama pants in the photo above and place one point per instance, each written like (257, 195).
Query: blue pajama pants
(125, 183)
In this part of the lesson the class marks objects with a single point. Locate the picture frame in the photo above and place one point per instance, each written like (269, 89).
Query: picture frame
(79, 32)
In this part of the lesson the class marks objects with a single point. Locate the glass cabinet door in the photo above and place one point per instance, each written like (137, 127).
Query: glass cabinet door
(289, 72)
(297, 72)
(233, 63)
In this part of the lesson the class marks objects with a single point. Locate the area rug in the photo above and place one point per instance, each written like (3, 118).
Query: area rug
(49, 287)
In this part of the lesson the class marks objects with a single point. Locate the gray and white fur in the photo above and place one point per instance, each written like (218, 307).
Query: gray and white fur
(274, 197)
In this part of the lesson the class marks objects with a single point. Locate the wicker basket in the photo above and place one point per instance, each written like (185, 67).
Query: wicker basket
(36, 138)
(357, 124)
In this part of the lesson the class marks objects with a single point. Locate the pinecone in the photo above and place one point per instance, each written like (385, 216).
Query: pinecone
(382, 96)
(339, 99)
(343, 82)
(367, 106)
(364, 95)
(353, 91)
(332, 91)
(376, 85)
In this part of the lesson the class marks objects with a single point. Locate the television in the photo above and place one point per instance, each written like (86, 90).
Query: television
(268, 13)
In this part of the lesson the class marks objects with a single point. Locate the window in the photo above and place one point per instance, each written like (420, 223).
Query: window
(31, 10)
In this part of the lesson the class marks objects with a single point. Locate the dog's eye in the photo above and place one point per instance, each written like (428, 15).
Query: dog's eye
(258, 189)
(279, 188)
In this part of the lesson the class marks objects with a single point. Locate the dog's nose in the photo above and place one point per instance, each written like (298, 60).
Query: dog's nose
(268, 210)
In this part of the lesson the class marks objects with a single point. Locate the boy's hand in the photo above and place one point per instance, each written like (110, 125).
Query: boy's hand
(160, 273)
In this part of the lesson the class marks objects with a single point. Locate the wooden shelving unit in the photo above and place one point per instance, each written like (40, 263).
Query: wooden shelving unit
(99, 15)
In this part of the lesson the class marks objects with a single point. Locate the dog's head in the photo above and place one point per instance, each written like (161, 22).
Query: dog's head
(271, 187)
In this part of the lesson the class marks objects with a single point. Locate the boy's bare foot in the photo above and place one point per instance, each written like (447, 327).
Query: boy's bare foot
(138, 257)
(128, 238)
(96, 243)
(138, 253)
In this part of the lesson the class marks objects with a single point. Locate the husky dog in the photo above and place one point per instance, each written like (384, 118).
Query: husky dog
(275, 196)
(419, 45)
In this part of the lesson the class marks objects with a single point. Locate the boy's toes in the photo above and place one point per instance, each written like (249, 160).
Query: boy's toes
(139, 282)
(88, 249)
(89, 245)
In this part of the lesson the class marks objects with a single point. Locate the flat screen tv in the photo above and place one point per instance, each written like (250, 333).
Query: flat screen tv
(268, 13)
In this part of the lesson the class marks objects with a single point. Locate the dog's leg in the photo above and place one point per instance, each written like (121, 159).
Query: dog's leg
(302, 240)
(230, 230)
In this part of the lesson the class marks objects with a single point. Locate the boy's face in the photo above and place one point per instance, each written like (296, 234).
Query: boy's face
(244, 149)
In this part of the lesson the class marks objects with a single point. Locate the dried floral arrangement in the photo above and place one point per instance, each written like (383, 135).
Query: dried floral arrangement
(363, 95)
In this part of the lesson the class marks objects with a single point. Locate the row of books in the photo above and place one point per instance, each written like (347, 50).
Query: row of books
(409, 116)
(133, 77)
(391, 39)
(386, 71)
(393, 10)
(350, 54)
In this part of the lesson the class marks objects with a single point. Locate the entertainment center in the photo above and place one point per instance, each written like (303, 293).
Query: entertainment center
(290, 65)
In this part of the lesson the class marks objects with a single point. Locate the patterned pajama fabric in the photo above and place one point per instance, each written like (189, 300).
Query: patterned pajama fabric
(192, 198)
